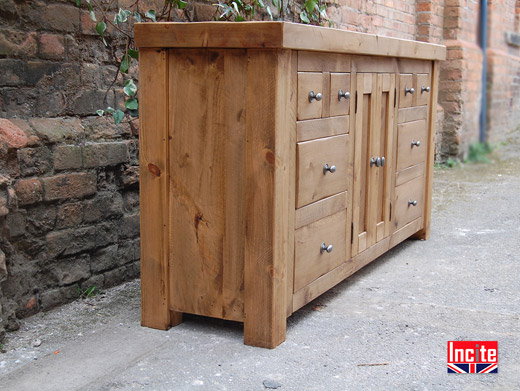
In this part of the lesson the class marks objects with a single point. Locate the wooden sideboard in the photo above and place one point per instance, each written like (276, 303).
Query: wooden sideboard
(276, 160)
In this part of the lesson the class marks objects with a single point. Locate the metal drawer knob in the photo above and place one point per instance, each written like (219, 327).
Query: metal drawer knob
(342, 94)
(425, 89)
(324, 248)
(408, 90)
(313, 96)
(327, 168)
(412, 203)
(416, 143)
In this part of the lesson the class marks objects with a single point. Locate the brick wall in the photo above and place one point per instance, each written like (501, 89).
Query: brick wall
(503, 87)
(69, 191)
(460, 78)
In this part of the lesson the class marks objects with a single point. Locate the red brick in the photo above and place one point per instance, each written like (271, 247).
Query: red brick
(51, 46)
(11, 136)
(17, 43)
(28, 191)
(65, 186)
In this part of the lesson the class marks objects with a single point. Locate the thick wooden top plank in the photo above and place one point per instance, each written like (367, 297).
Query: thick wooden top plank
(280, 35)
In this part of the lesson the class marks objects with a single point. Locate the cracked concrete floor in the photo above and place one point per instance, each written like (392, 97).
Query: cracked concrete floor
(400, 310)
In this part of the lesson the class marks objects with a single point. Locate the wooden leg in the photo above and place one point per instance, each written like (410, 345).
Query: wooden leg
(175, 318)
(423, 234)
(265, 333)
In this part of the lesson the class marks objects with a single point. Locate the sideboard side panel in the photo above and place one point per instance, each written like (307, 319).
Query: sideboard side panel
(207, 181)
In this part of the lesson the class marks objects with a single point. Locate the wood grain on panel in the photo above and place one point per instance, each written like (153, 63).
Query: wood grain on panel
(153, 174)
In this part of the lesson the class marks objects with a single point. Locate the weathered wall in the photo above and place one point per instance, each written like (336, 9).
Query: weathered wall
(69, 187)
(503, 87)
(460, 78)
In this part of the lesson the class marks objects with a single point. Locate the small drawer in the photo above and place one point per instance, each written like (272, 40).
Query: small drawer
(322, 168)
(406, 90)
(412, 143)
(313, 256)
(423, 89)
(409, 202)
(340, 92)
(310, 95)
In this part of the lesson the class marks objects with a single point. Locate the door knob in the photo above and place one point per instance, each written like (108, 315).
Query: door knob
(425, 89)
(412, 203)
(416, 143)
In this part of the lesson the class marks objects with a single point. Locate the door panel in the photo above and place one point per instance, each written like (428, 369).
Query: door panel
(374, 124)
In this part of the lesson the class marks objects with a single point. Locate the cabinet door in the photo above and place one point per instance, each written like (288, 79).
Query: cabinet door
(374, 131)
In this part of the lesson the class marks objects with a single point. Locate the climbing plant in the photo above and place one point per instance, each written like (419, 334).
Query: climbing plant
(120, 24)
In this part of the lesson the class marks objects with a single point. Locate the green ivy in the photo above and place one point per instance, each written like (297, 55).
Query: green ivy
(121, 27)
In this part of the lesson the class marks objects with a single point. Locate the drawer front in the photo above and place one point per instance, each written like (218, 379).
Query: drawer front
(311, 261)
(310, 83)
(409, 202)
(405, 90)
(412, 144)
(423, 89)
(314, 181)
(339, 91)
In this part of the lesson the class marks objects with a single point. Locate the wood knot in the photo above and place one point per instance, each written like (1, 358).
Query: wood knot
(154, 170)
(269, 157)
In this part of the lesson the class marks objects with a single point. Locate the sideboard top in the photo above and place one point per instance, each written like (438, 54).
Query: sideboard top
(280, 35)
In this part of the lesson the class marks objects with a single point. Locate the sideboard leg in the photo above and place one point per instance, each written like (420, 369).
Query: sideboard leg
(175, 318)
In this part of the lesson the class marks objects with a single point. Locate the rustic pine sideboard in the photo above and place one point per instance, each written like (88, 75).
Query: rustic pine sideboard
(276, 159)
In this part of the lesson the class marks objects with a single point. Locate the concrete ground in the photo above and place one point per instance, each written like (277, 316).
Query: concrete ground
(400, 311)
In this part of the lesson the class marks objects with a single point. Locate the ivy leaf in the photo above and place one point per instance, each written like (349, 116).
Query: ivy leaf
(118, 116)
(130, 88)
(131, 104)
(100, 112)
(122, 16)
(182, 4)
(310, 6)
(261, 4)
(133, 113)
(137, 17)
(304, 18)
(125, 64)
(323, 12)
(101, 27)
(110, 110)
(78, 3)
(133, 53)
(151, 15)
(269, 12)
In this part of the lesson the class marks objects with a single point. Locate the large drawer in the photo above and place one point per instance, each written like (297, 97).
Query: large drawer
(314, 181)
(409, 202)
(311, 261)
(412, 145)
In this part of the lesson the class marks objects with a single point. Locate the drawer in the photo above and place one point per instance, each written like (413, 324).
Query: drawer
(311, 261)
(310, 84)
(409, 202)
(339, 93)
(314, 181)
(406, 90)
(423, 89)
(412, 143)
